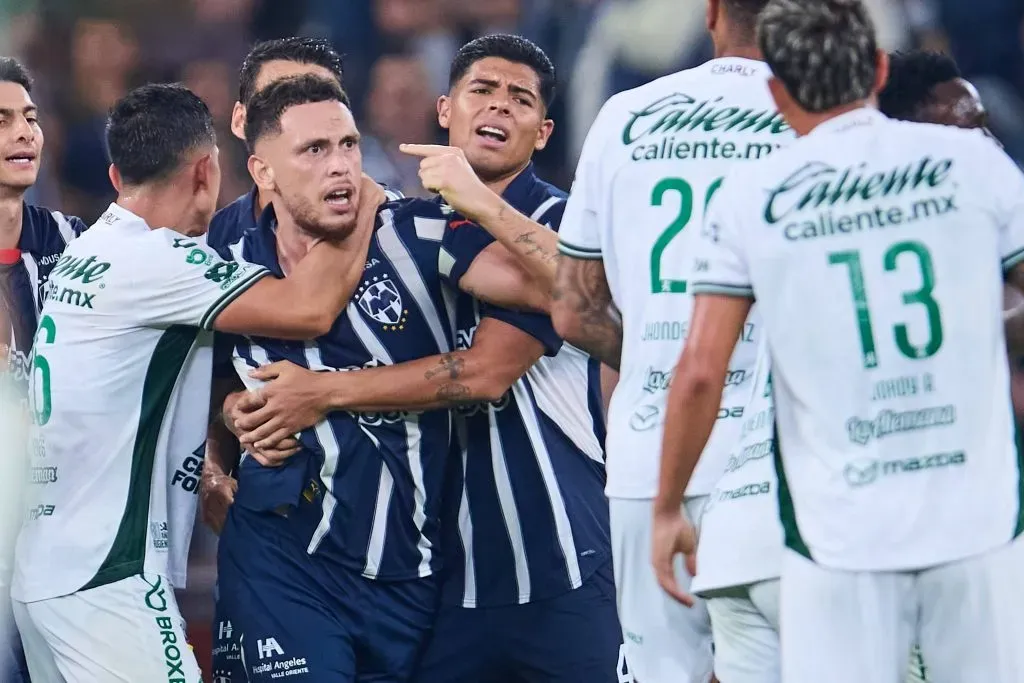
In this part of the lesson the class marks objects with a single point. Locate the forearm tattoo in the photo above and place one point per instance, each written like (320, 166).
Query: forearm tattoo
(582, 285)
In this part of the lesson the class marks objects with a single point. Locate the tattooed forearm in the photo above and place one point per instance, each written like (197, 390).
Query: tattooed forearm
(455, 394)
(534, 250)
(584, 311)
(448, 364)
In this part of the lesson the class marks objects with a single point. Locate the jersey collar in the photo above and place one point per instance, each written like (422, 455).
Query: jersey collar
(117, 216)
(520, 187)
(263, 241)
(865, 116)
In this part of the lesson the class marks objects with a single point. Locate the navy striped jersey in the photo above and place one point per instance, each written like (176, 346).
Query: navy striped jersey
(525, 516)
(365, 489)
(44, 235)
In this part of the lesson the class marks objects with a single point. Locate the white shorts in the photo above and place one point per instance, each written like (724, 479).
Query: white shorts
(851, 627)
(745, 624)
(665, 642)
(129, 631)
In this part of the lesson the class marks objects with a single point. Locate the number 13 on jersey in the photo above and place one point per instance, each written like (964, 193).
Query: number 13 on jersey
(659, 196)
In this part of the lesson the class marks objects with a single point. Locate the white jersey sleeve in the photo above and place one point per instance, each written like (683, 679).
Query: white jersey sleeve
(580, 232)
(720, 265)
(1009, 205)
(184, 282)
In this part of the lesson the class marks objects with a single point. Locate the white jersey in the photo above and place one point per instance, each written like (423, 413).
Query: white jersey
(120, 391)
(650, 164)
(873, 248)
(740, 535)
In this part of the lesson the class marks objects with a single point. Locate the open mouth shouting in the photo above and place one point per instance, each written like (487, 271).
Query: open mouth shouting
(492, 136)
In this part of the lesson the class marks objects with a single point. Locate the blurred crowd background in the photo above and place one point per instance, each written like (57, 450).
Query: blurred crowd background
(85, 54)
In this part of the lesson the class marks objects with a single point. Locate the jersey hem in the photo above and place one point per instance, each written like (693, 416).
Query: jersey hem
(709, 588)
(208, 319)
(580, 252)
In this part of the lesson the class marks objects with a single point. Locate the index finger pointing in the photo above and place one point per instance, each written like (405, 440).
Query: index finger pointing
(424, 150)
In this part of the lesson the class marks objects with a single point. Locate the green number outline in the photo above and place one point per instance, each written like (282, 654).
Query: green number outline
(921, 296)
(682, 219)
(47, 334)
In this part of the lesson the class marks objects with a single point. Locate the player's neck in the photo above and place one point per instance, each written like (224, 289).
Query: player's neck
(499, 185)
(735, 43)
(293, 243)
(11, 211)
(160, 209)
(740, 51)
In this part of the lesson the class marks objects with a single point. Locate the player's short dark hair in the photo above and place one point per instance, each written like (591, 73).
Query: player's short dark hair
(151, 130)
(515, 49)
(263, 115)
(13, 71)
(313, 51)
(823, 51)
(912, 79)
(744, 13)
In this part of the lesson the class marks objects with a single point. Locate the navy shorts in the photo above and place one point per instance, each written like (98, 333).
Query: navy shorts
(227, 645)
(572, 638)
(302, 619)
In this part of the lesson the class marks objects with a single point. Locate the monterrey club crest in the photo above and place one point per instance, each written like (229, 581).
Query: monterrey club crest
(380, 299)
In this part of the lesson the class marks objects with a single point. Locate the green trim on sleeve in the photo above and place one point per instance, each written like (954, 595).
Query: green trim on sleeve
(1013, 259)
(743, 291)
(240, 287)
(574, 251)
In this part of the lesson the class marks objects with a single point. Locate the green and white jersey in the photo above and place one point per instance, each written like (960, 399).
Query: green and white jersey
(875, 250)
(652, 160)
(740, 536)
(120, 392)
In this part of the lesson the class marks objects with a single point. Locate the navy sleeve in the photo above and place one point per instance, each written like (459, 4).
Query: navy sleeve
(461, 244)
(78, 226)
(223, 351)
(553, 216)
(537, 325)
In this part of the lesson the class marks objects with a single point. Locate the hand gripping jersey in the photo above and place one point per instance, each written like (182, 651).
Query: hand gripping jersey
(364, 491)
(652, 161)
(120, 395)
(874, 249)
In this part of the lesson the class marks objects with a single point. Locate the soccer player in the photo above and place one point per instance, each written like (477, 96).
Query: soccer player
(120, 390)
(267, 62)
(31, 240)
(351, 521)
(528, 587)
(653, 159)
(877, 401)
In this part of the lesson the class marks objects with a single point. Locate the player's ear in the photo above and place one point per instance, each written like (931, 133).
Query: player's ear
(881, 71)
(261, 173)
(238, 121)
(206, 177)
(115, 178)
(547, 127)
(711, 19)
(444, 111)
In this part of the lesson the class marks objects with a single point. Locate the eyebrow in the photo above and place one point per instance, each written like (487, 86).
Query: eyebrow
(30, 109)
(325, 142)
(515, 89)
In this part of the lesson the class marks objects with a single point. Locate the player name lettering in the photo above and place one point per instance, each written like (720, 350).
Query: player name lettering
(817, 184)
(678, 112)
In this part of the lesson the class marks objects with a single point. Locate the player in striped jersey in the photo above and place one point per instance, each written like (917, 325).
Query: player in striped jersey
(351, 521)
(31, 241)
(525, 530)
(267, 62)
